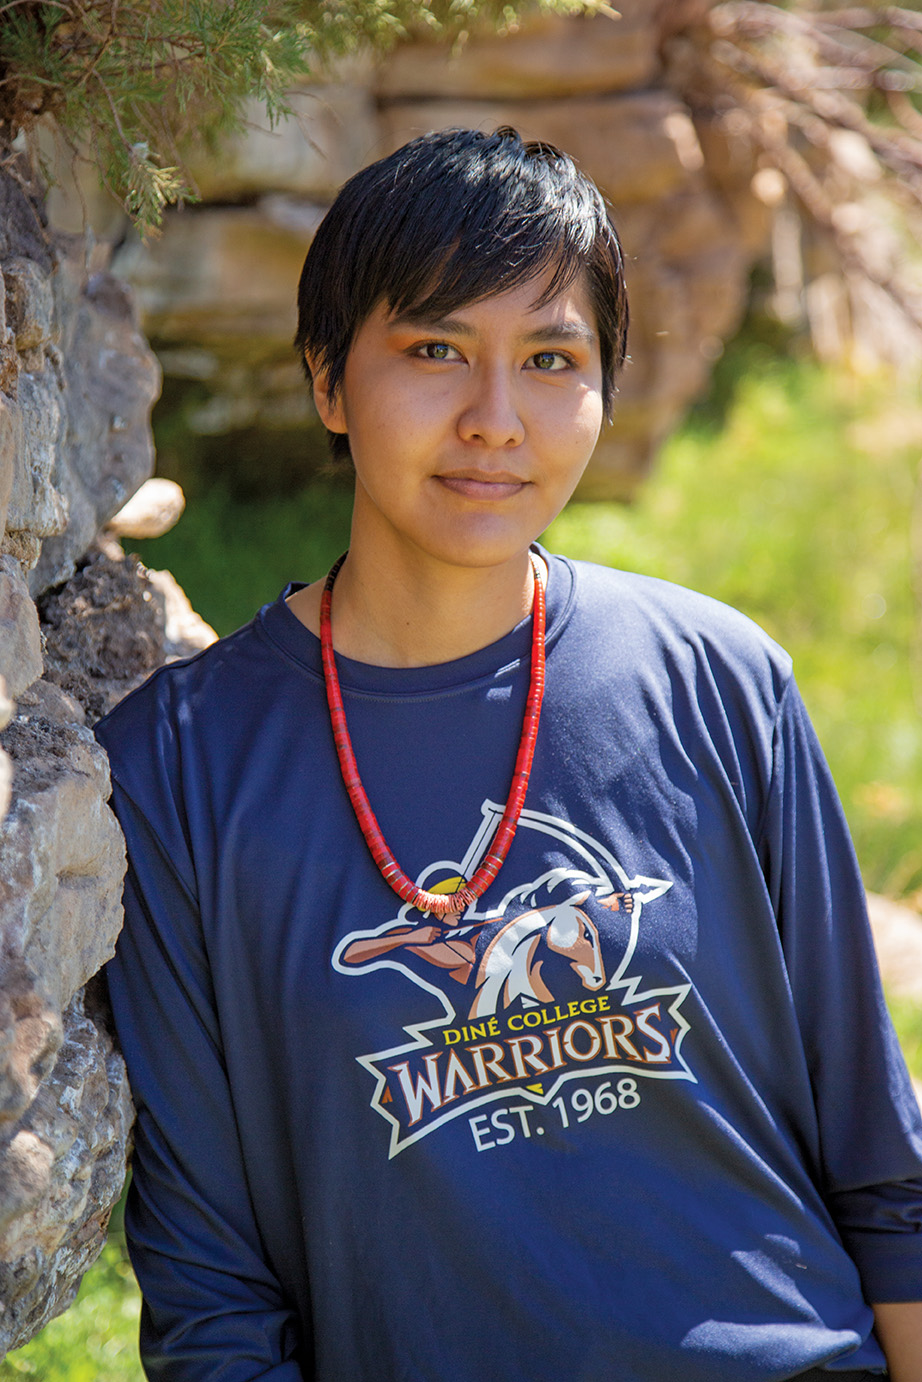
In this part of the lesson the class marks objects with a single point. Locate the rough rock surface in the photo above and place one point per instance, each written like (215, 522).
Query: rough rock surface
(103, 632)
(6, 767)
(31, 412)
(64, 1165)
(61, 853)
(20, 638)
(110, 379)
(64, 1106)
(65, 1110)
(77, 382)
(332, 130)
(550, 56)
(76, 385)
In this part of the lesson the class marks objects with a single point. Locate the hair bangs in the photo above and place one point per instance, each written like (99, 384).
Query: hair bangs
(450, 219)
(462, 277)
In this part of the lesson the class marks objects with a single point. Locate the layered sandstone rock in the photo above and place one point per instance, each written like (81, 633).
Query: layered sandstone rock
(217, 290)
(549, 57)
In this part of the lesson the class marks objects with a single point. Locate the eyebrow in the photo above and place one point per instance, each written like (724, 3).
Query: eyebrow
(561, 332)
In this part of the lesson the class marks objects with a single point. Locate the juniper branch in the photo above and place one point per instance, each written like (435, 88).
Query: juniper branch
(133, 78)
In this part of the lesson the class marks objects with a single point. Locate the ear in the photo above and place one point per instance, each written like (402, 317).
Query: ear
(331, 411)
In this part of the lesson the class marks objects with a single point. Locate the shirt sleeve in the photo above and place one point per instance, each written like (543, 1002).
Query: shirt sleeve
(869, 1121)
(212, 1308)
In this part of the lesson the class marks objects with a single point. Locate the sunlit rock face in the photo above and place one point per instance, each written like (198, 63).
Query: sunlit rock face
(217, 290)
(109, 378)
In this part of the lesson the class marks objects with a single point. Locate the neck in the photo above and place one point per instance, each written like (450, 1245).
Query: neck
(397, 616)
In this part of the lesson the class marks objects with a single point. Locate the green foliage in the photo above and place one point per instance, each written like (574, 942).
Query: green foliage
(907, 1018)
(789, 494)
(135, 79)
(234, 557)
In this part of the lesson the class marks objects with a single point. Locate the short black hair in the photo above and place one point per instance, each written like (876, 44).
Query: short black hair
(449, 219)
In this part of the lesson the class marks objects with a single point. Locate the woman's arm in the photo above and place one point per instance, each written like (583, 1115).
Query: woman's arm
(898, 1325)
(212, 1305)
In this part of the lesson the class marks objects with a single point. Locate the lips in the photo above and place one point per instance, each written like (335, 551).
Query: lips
(482, 485)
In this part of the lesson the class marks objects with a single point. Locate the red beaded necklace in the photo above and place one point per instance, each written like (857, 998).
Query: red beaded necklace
(439, 904)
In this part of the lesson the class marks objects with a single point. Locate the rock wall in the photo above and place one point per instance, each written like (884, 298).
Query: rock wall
(216, 291)
(77, 382)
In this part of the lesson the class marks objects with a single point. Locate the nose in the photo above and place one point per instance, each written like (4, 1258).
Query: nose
(491, 414)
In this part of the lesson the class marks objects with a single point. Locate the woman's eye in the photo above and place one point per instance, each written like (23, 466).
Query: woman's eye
(438, 350)
(549, 360)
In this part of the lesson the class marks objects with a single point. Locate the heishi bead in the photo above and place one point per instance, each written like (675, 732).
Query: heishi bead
(438, 904)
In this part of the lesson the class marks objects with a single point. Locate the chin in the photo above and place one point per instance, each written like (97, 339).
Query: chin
(479, 551)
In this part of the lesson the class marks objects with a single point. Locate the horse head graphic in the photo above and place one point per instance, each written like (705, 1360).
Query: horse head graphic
(511, 966)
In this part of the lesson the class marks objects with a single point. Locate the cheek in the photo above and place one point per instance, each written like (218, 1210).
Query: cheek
(575, 429)
(591, 413)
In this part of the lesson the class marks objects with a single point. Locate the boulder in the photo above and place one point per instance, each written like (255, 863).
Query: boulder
(156, 508)
(29, 304)
(37, 506)
(331, 133)
(223, 272)
(65, 1108)
(20, 639)
(64, 1104)
(77, 382)
(103, 631)
(184, 631)
(6, 767)
(638, 147)
(61, 855)
(9, 439)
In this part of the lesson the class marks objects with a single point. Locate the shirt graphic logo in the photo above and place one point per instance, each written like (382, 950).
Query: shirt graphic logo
(535, 990)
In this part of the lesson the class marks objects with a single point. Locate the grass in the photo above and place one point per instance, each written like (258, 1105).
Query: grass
(907, 1018)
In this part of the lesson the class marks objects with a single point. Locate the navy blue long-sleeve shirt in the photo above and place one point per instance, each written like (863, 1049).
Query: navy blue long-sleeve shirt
(640, 1115)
